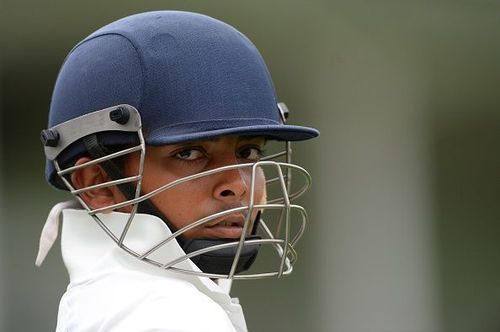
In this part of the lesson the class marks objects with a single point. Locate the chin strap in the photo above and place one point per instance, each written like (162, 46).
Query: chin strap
(220, 261)
(217, 261)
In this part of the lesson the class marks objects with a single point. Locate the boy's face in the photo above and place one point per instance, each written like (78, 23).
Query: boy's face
(190, 201)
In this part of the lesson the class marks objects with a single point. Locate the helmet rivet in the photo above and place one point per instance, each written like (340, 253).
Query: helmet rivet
(120, 115)
(49, 137)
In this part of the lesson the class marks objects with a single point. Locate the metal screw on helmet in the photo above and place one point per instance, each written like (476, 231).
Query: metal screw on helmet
(120, 115)
(49, 137)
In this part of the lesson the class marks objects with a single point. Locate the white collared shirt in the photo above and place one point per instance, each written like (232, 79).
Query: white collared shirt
(113, 291)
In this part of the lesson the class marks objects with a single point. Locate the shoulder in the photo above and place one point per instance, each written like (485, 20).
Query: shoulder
(135, 302)
(163, 304)
(164, 312)
(192, 313)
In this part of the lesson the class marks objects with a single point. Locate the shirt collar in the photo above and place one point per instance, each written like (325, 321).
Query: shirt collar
(87, 250)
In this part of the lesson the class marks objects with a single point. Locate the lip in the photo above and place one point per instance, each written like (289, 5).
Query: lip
(229, 227)
(232, 219)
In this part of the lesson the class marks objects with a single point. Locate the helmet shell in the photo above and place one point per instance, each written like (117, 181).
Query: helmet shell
(190, 77)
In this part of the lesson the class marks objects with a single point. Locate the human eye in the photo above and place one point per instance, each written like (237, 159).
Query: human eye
(253, 153)
(189, 154)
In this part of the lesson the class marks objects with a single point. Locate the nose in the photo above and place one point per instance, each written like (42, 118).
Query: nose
(231, 186)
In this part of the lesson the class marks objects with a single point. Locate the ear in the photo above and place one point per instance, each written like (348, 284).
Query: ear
(92, 175)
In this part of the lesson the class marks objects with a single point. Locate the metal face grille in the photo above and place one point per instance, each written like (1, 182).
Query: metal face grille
(281, 223)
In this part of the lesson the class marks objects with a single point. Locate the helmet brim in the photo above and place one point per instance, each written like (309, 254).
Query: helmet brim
(275, 132)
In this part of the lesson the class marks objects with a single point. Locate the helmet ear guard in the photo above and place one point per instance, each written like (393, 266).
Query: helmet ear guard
(120, 118)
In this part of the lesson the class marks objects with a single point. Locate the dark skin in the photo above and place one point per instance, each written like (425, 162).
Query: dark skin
(192, 200)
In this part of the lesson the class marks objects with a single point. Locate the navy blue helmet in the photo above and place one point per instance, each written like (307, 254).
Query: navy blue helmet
(190, 77)
(169, 77)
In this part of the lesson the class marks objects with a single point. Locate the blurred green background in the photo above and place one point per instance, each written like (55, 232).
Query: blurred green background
(405, 216)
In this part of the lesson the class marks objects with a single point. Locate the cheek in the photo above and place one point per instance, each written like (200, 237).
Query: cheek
(260, 194)
(177, 203)
(154, 178)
